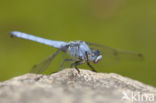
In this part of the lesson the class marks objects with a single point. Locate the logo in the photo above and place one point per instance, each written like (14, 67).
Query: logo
(138, 97)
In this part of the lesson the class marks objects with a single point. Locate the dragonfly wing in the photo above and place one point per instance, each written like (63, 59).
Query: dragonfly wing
(110, 54)
(66, 60)
(43, 65)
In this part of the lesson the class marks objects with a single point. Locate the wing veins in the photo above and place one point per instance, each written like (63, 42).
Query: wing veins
(116, 53)
(43, 65)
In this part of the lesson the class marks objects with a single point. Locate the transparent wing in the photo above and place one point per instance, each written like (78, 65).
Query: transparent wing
(66, 61)
(43, 65)
(111, 55)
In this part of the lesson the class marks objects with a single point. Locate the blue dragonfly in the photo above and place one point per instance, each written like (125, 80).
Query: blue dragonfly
(81, 52)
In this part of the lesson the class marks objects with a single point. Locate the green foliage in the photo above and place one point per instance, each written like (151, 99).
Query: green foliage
(128, 25)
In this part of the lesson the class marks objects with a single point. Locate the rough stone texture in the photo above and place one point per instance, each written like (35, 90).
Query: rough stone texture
(68, 86)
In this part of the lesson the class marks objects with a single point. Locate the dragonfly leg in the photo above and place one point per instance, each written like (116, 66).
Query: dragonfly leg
(75, 64)
(91, 67)
(65, 60)
(89, 63)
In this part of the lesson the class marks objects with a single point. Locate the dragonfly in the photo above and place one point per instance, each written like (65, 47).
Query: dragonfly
(81, 52)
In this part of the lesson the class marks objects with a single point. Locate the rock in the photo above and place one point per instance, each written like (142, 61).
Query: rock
(68, 86)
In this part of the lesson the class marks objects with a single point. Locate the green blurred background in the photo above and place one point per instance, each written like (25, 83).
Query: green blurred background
(124, 24)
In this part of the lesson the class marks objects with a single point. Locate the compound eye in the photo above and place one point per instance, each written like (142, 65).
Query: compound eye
(98, 58)
(97, 52)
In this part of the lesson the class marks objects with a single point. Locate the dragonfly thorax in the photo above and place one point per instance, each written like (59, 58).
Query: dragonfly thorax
(78, 49)
(81, 50)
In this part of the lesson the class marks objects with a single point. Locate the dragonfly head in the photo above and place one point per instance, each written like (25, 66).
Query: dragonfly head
(95, 56)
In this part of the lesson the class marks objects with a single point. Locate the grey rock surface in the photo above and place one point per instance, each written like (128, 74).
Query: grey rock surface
(68, 86)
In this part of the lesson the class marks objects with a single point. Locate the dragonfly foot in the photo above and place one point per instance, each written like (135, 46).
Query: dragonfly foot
(77, 70)
(91, 67)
